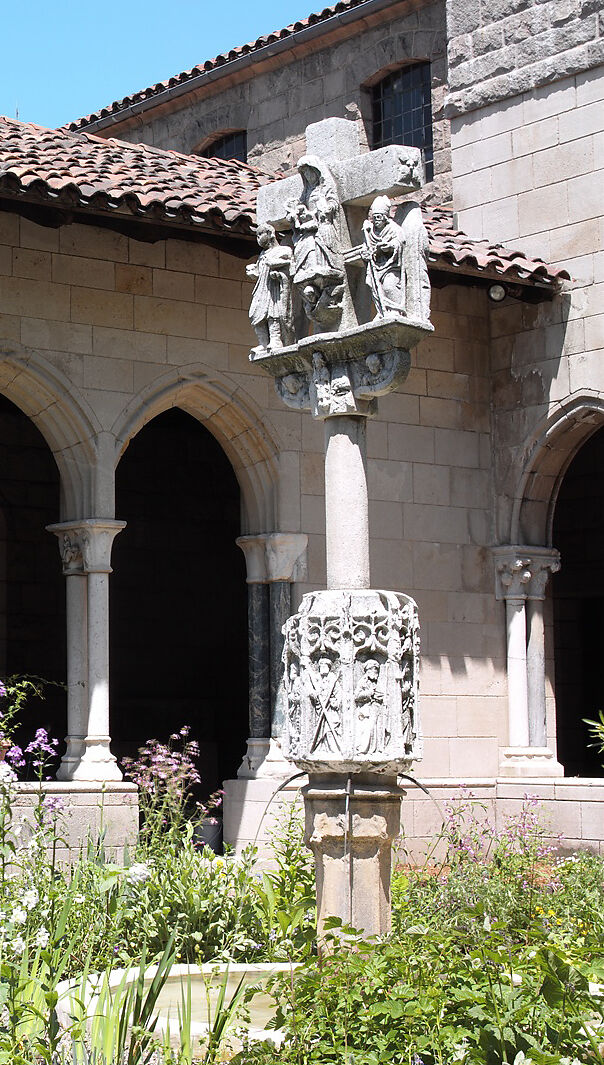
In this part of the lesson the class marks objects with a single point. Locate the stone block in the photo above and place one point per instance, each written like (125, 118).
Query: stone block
(390, 480)
(142, 254)
(182, 351)
(220, 292)
(594, 332)
(590, 84)
(97, 307)
(399, 407)
(475, 757)
(40, 237)
(592, 820)
(10, 327)
(56, 336)
(539, 208)
(580, 238)
(581, 122)
(153, 315)
(386, 518)
(289, 496)
(585, 196)
(456, 447)
(230, 325)
(173, 285)
(9, 228)
(463, 16)
(93, 242)
(128, 344)
(28, 262)
(436, 566)
(193, 258)
(133, 278)
(110, 374)
(431, 484)
(411, 443)
(21, 295)
(83, 271)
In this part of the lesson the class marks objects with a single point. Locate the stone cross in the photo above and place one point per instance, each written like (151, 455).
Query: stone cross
(351, 652)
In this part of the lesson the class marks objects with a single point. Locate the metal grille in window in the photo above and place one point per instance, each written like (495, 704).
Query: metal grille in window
(402, 113)
(231, 146)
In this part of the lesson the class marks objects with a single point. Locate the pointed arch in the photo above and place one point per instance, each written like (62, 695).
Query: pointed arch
(63, 417)
(232, 417)
(548, 454)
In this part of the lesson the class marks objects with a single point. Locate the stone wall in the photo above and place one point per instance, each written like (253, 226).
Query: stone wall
(502, 48)
(276, 101)
(131, 329)
(86, 810)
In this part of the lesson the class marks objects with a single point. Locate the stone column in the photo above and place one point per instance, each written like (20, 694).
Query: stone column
(258, 648)
(521, 578)
(346, 502)
(86, 552)
(270, 560)
(284, 554)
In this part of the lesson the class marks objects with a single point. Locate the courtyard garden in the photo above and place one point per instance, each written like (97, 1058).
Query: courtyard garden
(496, 953)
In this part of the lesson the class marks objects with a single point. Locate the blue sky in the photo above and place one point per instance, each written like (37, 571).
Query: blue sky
(61, 61)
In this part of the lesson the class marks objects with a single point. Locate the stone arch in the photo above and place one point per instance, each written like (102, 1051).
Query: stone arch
(228, 412)
(69, 427)
(547, 456)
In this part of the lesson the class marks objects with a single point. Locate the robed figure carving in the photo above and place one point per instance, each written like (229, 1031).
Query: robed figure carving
(383, 253)
(318, 262)
(271, 306)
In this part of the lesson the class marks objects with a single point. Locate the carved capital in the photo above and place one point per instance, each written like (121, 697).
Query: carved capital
(253, 548)
(85, 546)
(285, 555)
(523, 572)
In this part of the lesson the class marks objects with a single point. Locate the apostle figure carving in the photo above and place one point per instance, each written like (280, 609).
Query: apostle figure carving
(383, 253)
(326, 700)
(318, 261)
(271, 307)
(396, 257)
(369, 699)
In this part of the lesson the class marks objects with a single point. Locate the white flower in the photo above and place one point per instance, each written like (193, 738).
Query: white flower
(30, 898)
(18, 945)
(138, 873)
(79, 899)
(19, 915)
(486, 924)
(42, 938)
(7, 775)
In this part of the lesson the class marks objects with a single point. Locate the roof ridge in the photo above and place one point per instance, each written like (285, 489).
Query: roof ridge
(219, 60)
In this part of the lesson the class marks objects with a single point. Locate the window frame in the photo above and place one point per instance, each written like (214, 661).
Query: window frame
(401, 125)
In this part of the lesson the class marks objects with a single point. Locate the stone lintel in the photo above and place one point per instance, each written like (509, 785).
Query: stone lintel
(522, 572)
(86, 545)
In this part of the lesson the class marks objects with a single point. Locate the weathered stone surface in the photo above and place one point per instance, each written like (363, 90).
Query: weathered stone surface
(351, 662)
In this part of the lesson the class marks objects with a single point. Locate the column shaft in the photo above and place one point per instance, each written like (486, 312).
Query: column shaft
(346, 502)
(259, 670)
(77, 672)
(280, 609)
(517, 681)
(98, 655)
(537, 727)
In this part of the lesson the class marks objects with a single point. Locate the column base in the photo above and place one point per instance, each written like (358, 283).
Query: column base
(264, 758)
(351, 823)
(528, 762)
(89, 758)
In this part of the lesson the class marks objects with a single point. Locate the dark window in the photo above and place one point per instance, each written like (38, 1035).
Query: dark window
(402, 113)
(230, 146)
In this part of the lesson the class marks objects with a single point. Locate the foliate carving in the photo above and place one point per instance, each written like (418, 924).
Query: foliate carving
(350, 679)
(271, 311)
(523, 572)
(85, 546)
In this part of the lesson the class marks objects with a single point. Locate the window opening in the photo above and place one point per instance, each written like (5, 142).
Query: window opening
(402, 111)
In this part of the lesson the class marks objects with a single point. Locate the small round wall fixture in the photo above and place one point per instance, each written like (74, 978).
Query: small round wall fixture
(497, 293)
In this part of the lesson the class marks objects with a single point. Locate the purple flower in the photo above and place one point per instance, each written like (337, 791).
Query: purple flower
(52, 804)
(15, 757)
(3, 691)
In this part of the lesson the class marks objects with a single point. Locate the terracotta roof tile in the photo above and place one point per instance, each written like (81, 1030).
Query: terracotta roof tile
(84, 171)
(214, 64)
(78, 170)
(452, 249)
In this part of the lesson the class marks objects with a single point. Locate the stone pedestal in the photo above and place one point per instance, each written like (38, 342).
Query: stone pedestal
(350, 827)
